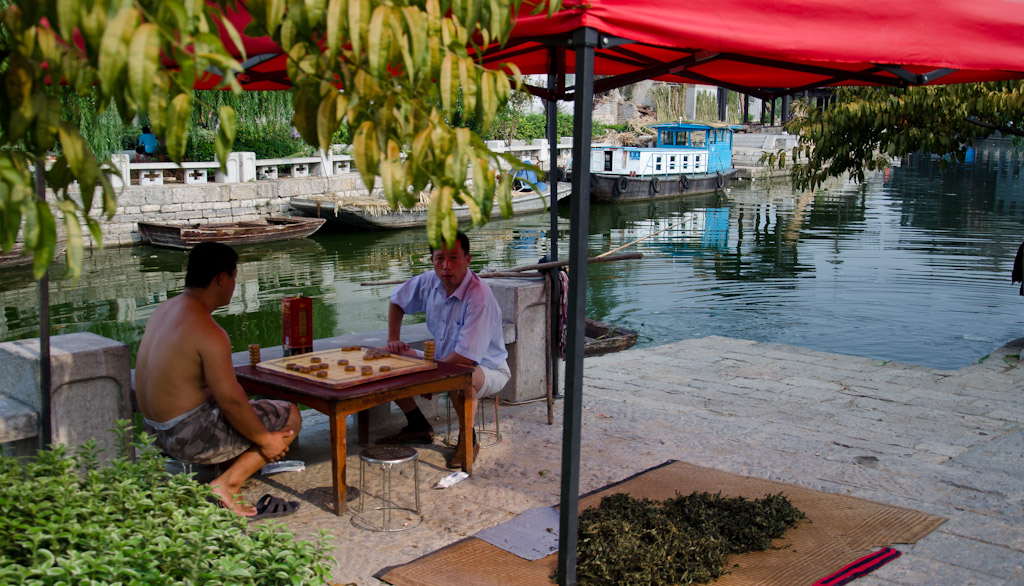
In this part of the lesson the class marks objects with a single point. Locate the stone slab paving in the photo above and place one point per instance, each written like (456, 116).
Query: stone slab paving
(950, 443)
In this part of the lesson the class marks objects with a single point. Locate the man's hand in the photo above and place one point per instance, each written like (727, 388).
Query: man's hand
(400, 347)
(276, 445)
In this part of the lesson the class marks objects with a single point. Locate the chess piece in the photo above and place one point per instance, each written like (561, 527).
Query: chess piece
(428, 350)
(254, 354)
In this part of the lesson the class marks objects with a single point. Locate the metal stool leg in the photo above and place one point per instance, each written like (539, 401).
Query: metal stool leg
(387, 457)
(481, 425)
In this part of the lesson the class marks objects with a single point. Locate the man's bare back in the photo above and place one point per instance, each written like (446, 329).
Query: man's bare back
(169, 364)
(186, 387)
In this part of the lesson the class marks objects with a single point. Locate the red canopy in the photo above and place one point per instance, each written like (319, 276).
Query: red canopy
(774, 47)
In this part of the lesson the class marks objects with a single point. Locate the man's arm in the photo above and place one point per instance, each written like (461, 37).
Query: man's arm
(215, 354)
(395, 343)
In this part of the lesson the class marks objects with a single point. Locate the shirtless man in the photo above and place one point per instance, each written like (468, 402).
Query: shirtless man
(187, 391)
(465, 320)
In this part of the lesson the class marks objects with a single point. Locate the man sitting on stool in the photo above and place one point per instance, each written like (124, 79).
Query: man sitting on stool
(464, 318)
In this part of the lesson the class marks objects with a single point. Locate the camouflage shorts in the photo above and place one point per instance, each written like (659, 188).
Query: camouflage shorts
(204, 436)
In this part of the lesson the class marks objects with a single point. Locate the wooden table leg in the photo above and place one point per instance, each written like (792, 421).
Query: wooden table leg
(339, 451)
(363, 424)
(468, 409)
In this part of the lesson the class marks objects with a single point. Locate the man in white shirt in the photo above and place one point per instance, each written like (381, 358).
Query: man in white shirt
(464, 318)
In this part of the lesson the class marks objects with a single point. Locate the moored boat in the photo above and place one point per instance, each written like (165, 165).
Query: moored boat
(686, 158)
(16, 256)
(601, 338)
(372, 212)
(185, 236)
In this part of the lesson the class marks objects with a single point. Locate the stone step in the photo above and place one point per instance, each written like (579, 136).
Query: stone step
(18, 421)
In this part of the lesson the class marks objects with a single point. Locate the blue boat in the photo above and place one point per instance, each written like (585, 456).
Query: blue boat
(686, 158)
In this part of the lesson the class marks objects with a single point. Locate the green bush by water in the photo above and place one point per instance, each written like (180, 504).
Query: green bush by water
(66, 520)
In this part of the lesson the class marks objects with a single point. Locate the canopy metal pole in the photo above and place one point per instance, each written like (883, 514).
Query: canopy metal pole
(46, 436)
(553, 178)
(583, 42)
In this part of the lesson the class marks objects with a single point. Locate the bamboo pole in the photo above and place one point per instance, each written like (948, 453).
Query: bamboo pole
(517, 271)
(640, 239)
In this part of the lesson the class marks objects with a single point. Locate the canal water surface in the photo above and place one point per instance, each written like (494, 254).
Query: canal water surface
(912, 266)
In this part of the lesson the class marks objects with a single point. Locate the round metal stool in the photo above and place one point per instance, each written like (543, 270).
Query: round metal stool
(486, 436)
(387, 457)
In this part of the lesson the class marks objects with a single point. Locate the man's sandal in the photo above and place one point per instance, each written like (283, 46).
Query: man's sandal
(269, 507)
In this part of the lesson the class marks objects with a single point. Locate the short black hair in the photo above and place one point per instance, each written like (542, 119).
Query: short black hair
(461, 238)
(206, 261)
(145, 130)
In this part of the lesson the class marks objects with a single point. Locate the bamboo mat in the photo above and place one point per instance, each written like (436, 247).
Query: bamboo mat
(841, 530)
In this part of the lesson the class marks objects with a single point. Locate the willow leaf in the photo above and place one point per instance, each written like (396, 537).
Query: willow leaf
(46, 242)
(114, 47)
(335, 30)
(73, 239)
(179, 114)
(143, 61)
(225, 135)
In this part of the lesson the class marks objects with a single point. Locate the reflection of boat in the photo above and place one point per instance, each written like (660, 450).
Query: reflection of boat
(16, 257)
(368, 212)
(186, 236)
(687, 158)
(602, 338)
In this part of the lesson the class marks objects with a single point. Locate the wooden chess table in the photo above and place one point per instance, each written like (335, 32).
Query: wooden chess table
(337, 402)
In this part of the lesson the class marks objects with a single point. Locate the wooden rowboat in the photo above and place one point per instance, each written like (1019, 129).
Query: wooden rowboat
(16, 257)
(185, 236)
(372, 212)
(601, 338)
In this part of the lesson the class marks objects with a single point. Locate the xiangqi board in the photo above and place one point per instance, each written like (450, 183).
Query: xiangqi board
(345, 367)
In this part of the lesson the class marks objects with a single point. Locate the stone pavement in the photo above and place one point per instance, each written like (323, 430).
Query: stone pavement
(949, 443)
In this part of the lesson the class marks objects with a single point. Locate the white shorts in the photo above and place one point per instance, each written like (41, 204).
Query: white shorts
(494, 380)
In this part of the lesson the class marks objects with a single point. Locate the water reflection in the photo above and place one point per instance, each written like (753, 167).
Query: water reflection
(912, 266)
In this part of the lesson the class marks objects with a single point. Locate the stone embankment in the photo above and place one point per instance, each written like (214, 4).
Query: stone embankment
(242, 196)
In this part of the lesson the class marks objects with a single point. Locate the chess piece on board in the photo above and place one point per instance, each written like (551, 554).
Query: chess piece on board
(428, 350)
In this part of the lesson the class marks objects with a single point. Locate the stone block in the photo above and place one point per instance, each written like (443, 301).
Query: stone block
(90, 386)
(151, 177)
(524, 304)
(231, 171)
(195, 176)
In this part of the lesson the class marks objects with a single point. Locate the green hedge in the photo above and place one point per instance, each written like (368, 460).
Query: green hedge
(66, 520)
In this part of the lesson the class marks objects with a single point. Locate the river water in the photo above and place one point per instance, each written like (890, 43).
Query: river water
(912, 266)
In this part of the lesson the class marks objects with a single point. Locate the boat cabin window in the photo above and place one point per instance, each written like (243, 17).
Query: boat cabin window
(686, 162)
(608, 160)
(681, 138)
(668, 137)
(657, 163)
(672, 163)
(699, 138)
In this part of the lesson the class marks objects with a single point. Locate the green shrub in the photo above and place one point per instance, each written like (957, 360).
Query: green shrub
(66, 520)
(200, 144)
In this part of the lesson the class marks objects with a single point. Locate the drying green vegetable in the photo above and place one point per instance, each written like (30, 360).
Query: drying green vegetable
(683, 540)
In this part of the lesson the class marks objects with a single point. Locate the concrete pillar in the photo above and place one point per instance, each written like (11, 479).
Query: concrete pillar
(246, 167)
(232, 169)
(690, 102)
(90, 386)
(122, 163)
(524, 303)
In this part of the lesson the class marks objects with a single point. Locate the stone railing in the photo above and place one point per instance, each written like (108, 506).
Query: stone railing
(242, 167)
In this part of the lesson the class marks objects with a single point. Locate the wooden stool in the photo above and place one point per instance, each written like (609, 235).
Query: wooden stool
(387, 457)
(480, 430)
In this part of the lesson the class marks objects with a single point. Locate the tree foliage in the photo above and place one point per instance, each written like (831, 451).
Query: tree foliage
(406, 69)
(119, 50)
(393, 70)
(866, 126)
